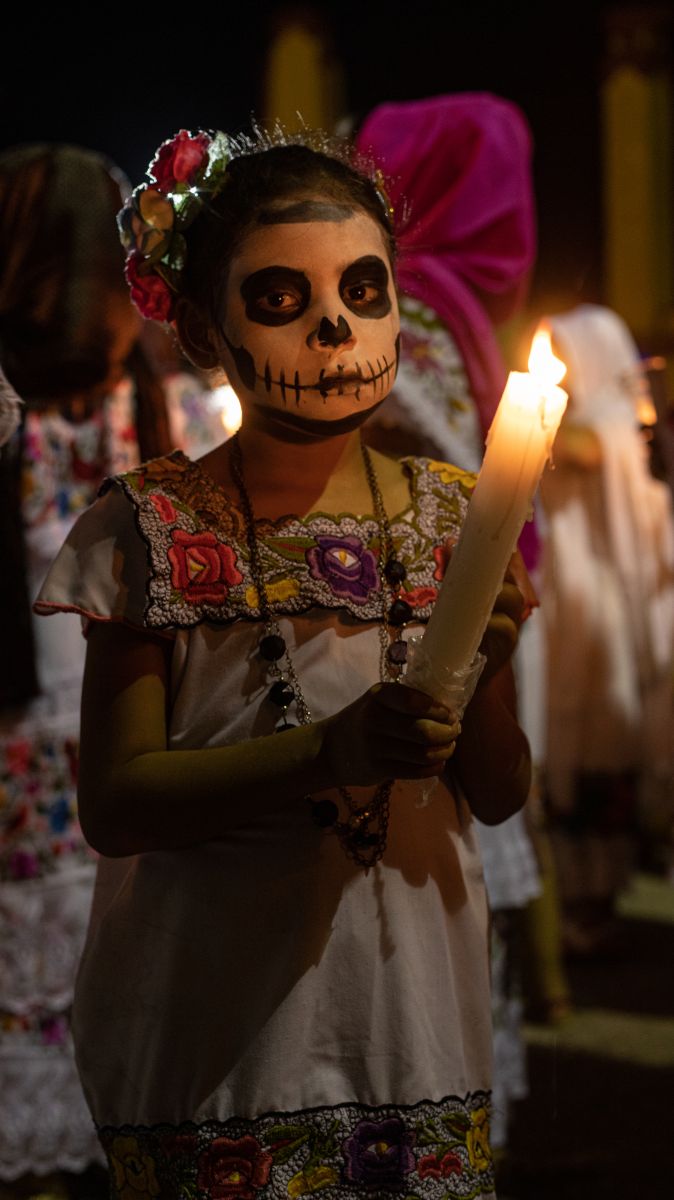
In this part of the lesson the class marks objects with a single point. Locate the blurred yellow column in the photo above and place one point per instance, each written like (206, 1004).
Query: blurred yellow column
(303, 79)
(638, 194)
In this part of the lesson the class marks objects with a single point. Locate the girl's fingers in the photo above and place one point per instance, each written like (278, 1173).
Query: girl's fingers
(421, 733)
(410, 702)
(393, 751)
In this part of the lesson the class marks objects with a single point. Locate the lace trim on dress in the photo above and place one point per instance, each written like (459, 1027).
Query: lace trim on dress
(45, 1124)
(199, 559)
(436, 1150)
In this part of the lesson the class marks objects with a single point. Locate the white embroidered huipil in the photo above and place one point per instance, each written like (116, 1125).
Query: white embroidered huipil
(261, 998)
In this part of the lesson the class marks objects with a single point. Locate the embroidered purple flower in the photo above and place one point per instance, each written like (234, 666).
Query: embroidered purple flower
(346, 565)
(379, 1154)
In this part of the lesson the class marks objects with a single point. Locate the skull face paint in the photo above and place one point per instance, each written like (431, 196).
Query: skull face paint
(310, 319)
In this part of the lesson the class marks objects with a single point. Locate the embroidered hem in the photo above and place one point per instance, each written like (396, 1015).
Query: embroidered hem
(434, 1151)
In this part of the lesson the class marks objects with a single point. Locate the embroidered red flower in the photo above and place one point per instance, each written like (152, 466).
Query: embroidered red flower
(151, 295)
(179, 159)
(202, 568)
(441, 556)
(233, 1167)
(164, 507)
(421, 596)
(432, 1167)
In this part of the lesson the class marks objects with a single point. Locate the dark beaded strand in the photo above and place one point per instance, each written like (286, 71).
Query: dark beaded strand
(363, 834)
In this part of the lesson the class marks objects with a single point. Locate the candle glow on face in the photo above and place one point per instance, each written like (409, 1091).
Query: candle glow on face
(225, 399)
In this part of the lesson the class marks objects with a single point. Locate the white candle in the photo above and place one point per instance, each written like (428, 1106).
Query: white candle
(518, 446)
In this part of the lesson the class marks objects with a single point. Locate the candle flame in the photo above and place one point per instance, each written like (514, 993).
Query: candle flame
(542, 362)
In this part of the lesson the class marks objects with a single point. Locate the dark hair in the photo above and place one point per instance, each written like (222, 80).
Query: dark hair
(254, 182)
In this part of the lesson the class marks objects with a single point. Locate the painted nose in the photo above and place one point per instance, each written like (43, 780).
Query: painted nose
(333, 335)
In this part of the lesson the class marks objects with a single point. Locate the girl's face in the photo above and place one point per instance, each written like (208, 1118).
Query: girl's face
(310, 317)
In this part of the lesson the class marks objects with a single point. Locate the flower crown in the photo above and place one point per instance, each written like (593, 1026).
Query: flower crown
(186, 173)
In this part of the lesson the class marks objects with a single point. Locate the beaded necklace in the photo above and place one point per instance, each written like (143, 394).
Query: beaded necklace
(362, 834)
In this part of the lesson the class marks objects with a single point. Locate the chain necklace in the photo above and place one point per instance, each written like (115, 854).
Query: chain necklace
(362, 834)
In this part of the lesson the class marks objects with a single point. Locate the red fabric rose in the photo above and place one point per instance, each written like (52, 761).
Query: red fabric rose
(151, 295)
(179, 160)
(164, 507)
(202, 568)
(421, 596)
(233, 1168)
(431, 1167)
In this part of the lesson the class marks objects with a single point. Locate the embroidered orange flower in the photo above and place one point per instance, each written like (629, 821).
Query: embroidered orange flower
(164, 507)
(421, 596)
(233, 1168)
(202, 568)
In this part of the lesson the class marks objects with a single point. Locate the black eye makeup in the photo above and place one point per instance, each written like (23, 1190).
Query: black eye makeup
(364, 287)
(275, 295)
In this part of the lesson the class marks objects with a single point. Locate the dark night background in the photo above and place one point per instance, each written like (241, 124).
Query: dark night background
(121, 78)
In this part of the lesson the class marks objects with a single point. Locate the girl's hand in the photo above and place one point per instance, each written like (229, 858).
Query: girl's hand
(502, 632)
(390, 732)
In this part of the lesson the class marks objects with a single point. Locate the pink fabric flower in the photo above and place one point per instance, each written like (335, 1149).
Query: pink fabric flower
(150, 293)
(179, 159)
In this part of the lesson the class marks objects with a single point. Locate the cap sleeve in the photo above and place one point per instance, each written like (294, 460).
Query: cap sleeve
(101, 570)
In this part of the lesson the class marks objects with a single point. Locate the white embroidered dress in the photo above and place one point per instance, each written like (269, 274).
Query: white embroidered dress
(259, 1010)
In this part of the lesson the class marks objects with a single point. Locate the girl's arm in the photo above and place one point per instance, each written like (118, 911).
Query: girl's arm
(492, 760)
(136, 795)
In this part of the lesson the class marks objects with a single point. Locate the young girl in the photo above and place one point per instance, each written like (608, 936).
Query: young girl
(285, 986)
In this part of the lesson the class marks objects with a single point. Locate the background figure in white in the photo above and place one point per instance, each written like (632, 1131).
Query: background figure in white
(607, 595)
(10, 409)
(71, 345)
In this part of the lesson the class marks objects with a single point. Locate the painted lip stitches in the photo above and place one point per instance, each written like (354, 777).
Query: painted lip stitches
(327, 383)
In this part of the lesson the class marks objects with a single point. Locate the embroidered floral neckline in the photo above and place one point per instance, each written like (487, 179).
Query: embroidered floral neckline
(199, 561)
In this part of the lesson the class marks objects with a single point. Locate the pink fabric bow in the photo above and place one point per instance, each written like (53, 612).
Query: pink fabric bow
(460, 166)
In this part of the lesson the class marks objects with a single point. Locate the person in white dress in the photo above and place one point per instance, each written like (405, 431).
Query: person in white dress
(91, 405)
(285, 985)
(607, 596)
